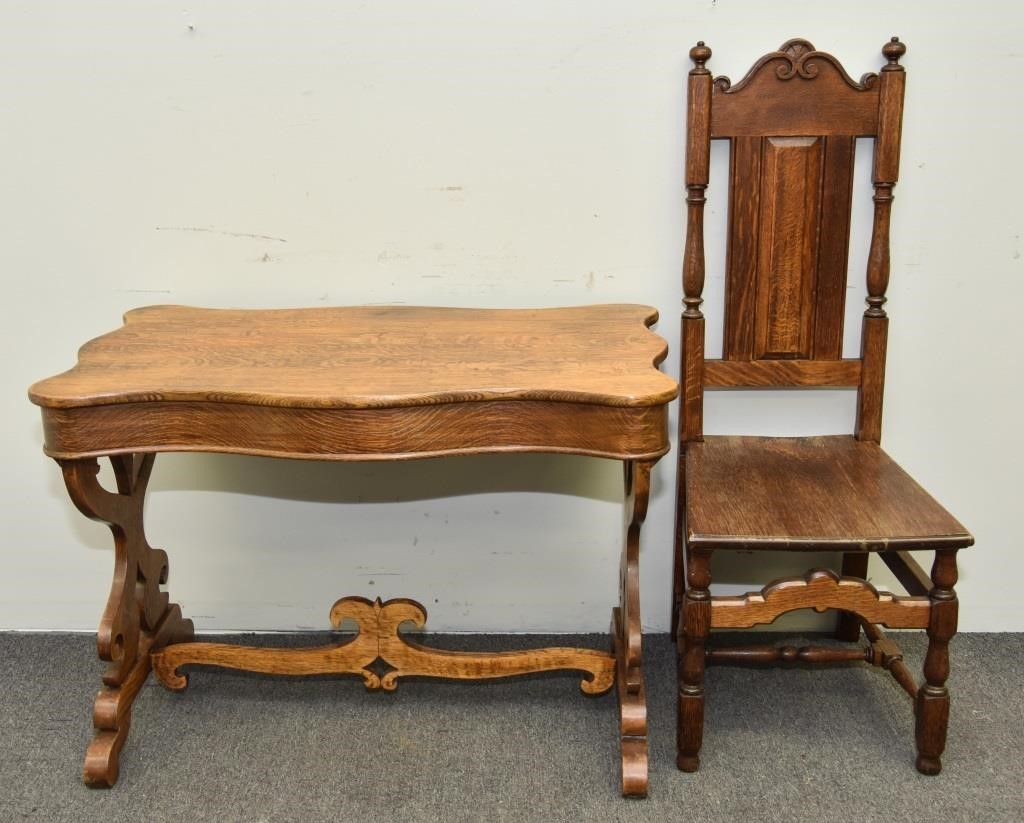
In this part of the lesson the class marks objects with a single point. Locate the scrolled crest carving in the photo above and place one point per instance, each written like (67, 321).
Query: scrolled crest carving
(798, 53)
(795, 58)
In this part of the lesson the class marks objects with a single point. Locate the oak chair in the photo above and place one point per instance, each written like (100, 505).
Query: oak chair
(792, 125)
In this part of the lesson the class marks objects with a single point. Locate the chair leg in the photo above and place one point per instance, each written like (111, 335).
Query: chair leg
(855, 564)
(932, 703)
(679, 547)
(694, 627)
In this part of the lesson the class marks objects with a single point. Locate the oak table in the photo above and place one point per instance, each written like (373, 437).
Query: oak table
(357, 383)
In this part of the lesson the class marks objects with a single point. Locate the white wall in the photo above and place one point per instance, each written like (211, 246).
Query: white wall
(474, 154)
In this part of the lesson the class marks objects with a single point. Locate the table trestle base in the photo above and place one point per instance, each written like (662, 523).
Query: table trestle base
(379, 641)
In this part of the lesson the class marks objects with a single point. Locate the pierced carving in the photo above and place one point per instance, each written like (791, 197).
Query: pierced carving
(820, 589)
(378, 640)
(138, 616)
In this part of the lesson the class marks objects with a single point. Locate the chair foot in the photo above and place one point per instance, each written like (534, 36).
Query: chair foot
(687, 763)
(927, 764)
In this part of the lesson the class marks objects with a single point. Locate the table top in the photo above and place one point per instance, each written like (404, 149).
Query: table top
(365, 382)
(369, 356)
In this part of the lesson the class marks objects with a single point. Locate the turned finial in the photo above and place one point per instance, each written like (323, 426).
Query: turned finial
(893, 51)
(700, 54)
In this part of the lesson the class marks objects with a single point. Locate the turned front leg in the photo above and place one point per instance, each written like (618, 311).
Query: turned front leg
(932, 704)
(694, 627)
(138, 617)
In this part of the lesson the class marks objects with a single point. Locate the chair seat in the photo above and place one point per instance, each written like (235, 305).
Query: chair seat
(809, 493)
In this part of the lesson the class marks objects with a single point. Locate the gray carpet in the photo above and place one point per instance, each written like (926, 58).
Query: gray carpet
(781, 744)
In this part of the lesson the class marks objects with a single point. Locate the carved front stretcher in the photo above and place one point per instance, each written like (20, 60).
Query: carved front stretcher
(371, 383)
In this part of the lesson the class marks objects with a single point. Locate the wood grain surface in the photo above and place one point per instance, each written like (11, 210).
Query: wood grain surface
(369, 357)
(358, 434)
(378, 639)
(820, 589)
(813, 493)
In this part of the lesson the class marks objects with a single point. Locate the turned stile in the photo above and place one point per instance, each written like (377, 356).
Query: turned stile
(691, 392)
(697, 166)
(875, 326)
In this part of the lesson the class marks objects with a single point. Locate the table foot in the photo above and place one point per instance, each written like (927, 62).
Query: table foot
(112, 710)
(378, 641)
(632, 722)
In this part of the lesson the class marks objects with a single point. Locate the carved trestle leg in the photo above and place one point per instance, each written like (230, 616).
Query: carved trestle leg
(627, 638)
(138, 617)
(932, 704)
(694, 627)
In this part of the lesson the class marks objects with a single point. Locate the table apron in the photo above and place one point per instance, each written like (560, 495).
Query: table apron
(619, 432)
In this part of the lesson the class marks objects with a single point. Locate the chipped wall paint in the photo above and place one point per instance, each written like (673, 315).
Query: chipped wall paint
(467, 154)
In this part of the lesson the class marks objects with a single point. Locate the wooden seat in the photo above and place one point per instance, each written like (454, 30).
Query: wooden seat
(809, 494)
(792, 124)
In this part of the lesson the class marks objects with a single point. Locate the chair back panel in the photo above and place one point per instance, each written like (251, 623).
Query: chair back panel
(789, 226)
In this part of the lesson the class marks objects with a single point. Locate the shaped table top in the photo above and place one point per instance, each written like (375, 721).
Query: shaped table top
(179, 378)
(369, 357)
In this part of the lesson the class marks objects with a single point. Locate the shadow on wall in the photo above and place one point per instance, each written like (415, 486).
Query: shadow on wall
(389, 482)
(358, 482)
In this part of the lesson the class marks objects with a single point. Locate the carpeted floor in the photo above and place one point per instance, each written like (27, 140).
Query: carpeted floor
(781, 744)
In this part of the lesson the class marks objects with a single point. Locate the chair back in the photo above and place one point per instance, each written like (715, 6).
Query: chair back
(792, 123)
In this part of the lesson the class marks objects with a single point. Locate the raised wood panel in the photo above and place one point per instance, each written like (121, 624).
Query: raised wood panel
(789, 216)
(787, 246)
